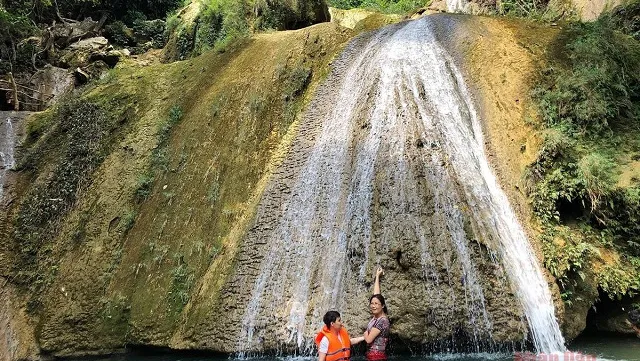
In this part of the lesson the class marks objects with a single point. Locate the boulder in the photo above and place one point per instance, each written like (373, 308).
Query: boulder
(69, 32)
(82, 77)
(94, 70)
(87, 51)
(51, 83)
(96, 43)
(591, 9)
(349, 18)
(111, 57)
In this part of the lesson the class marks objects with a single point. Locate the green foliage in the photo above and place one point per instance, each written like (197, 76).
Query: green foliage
(143, 188)
(182, 280)
(597, 173)
(38, 124)
(385, 6)
(626, 19)
(210, 27)
(219, 24)
(115, 309)
(600, 87)
(558, 186)
(214, 190)
(126, 10)
(82, 129)
(128, 220)
(118, 33)
(523, 8)
(294, 81)
(566, 253)
(589, 100)
(618, 281)
(277, 16)
(15, 56)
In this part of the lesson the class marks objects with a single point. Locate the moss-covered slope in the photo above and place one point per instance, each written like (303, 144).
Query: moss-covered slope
(143, 181)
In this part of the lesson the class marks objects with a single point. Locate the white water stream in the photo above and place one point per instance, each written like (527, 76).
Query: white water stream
(457, 5)
(401, 87)
(7, 145)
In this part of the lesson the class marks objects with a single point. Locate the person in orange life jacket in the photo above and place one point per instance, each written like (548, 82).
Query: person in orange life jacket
(333, 340)
(377, 333)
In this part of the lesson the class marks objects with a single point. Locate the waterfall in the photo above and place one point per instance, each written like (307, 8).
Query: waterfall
(7, 145)
(396, 115)
(454, 6)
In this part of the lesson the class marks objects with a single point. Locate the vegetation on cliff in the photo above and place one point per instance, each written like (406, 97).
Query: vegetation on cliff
(585, 183)
(135, 183)
(386, 6)
(207, 24)
(45, 11)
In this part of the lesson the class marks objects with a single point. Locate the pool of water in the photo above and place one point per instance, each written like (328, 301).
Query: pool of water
(612, 347)
(588, 348)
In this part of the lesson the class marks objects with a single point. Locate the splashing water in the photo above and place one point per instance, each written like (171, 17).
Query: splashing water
(399, 89)
(7, 145)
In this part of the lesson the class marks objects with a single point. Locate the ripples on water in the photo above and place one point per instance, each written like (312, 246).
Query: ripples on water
(606, 348)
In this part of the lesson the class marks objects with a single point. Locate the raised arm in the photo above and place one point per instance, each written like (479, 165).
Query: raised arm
(376, 284)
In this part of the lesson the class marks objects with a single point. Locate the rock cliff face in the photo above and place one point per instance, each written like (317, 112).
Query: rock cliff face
(591, 9)
(17, 336)
(287, 262)
(586, 10)
(166, 233)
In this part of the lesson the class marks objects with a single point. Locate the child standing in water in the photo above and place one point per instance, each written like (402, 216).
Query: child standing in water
(333, 341)
(377, 333)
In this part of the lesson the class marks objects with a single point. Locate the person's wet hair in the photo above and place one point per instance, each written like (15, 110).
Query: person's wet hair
(329, 317)
(380, 298)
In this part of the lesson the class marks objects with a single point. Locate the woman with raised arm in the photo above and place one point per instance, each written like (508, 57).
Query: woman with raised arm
(377, 333)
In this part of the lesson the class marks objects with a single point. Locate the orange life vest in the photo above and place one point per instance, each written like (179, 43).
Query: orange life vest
(338, 351)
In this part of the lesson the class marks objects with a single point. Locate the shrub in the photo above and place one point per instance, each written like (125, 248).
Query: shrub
(150, 31)
(118, 33)
(600, 87)
(14, 56)
(598, 176)
(589, 100)
(386, 6)
(523, 8)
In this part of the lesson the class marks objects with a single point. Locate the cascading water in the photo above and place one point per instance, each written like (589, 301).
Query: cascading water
(7, 145)
(400, 130)
(457, 5)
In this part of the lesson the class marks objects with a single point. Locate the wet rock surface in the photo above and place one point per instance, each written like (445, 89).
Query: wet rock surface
(444, 289)
(17, 337)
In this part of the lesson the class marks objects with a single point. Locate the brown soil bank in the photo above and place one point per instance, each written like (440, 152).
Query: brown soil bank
(145, 248)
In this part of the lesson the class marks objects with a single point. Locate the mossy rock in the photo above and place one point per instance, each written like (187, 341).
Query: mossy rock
(375, 21)
(201, 26)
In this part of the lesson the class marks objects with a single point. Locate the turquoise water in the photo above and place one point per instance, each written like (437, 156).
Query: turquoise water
(609, 347)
